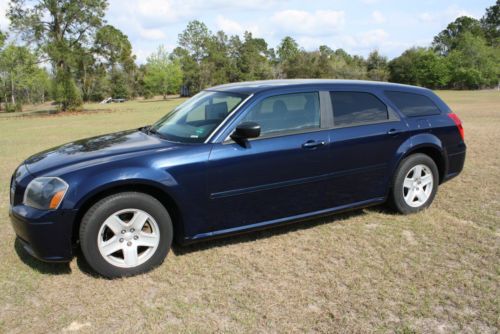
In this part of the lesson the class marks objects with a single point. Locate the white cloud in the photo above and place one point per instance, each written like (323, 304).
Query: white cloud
(228, 26)
(367, 40)
(445, 16)
(152, 34)
(373, 38)
(425, 17)
(4, 21)
(231, 4)
(157, 9)
(311, 43)
(320, 22)
(378, 17)
(232, 27)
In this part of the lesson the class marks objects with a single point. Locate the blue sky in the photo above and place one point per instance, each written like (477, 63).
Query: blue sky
(358, 26)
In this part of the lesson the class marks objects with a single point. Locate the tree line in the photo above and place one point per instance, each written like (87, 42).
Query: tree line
(63, 50)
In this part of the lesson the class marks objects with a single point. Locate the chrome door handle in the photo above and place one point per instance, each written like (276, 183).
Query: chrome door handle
(313, 143)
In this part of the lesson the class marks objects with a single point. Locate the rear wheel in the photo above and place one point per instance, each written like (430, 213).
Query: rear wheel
(126, 234)
(415, 184)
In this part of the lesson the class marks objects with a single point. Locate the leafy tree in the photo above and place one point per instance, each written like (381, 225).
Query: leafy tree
(190, 69)
(217, 65)
(377, 67)
(448, 39)
(65, 91)
(420, 66)
(119, 84)
(288, 49)
(326, 51)
(3, 37)
(18, 71)
(163, 75)
(193, 42)
(59, 29)
(112, 44)
(490, 23)
(253, 61)
(473, 64)
(194, 39)
(345, 66)
(116, 49)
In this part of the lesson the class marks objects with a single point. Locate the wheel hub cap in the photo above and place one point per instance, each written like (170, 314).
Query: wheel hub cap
(128, 238)
(418, 185)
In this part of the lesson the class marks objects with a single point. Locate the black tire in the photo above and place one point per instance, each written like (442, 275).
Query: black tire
(106, 207)
(396, 198)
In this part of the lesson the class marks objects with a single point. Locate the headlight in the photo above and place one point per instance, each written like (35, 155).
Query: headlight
(45, 193)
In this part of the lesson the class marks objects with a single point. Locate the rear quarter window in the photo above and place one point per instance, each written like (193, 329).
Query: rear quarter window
(413, 105)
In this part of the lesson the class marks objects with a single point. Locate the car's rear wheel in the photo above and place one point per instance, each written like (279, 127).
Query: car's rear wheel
(415, 184)
(125, 234)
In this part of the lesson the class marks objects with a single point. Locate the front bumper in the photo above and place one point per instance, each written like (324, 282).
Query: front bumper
(46, 235)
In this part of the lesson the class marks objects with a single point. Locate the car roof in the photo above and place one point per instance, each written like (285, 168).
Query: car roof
(252, 87)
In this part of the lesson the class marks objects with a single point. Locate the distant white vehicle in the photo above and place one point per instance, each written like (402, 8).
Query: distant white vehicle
(111, 100)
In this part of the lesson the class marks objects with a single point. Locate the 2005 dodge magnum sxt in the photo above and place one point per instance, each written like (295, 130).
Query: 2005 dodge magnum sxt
(231, 159)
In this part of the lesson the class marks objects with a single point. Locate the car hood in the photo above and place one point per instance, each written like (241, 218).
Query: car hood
(89, 149)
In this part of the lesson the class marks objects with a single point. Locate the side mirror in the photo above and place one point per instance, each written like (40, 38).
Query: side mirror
(246, 130)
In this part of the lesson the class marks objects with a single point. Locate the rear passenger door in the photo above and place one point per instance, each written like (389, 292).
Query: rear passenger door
(365, 137)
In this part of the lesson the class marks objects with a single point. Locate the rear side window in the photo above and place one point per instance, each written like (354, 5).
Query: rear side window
(351, 108)
(413, 105)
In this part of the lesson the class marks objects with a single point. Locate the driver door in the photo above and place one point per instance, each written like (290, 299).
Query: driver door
(277, 175)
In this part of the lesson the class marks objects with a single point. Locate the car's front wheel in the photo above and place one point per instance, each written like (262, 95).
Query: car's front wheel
(415, 184)
(126, 234)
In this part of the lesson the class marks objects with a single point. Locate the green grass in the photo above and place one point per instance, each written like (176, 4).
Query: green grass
(366, 271)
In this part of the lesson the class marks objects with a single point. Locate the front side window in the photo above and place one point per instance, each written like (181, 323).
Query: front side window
(194, 120)
(413, 105)
(286, 113)
(351, 108)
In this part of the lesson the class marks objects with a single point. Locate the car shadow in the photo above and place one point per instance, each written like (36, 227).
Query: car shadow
(179, 250)
(84, 266)
(38, 265)
(262, 234)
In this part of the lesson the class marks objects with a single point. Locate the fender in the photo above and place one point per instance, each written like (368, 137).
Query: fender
(83, 189)
(418, 142)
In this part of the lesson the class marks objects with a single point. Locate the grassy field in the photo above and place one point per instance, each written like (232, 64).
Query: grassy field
(367, 271)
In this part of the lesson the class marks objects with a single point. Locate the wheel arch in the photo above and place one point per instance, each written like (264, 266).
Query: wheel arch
(435, 154)
(425, 143)
(137, 186)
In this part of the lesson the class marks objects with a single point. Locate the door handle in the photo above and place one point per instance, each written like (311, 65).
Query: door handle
(313, 144)
(394, 132)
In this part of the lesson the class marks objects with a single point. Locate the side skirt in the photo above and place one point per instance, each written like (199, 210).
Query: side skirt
(282, 221)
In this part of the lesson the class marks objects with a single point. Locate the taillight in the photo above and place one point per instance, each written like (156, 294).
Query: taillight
(458, 123)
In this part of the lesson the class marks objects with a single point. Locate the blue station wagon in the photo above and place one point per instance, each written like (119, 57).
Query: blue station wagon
(235, 158)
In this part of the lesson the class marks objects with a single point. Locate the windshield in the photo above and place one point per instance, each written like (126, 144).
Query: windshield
(194, 120)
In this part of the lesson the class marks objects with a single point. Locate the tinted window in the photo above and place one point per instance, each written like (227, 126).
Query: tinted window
(357, 107)
(194, 120)
(413, 104)
(286, 113)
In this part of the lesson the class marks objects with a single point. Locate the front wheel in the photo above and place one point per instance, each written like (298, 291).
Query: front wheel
(126, 234)
(415, 184)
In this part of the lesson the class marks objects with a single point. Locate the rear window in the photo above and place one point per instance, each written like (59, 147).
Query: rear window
(413, 105)
(351, 108)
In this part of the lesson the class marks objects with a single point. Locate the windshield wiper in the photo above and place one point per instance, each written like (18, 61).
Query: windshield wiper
(144, 129)
(152, 131)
